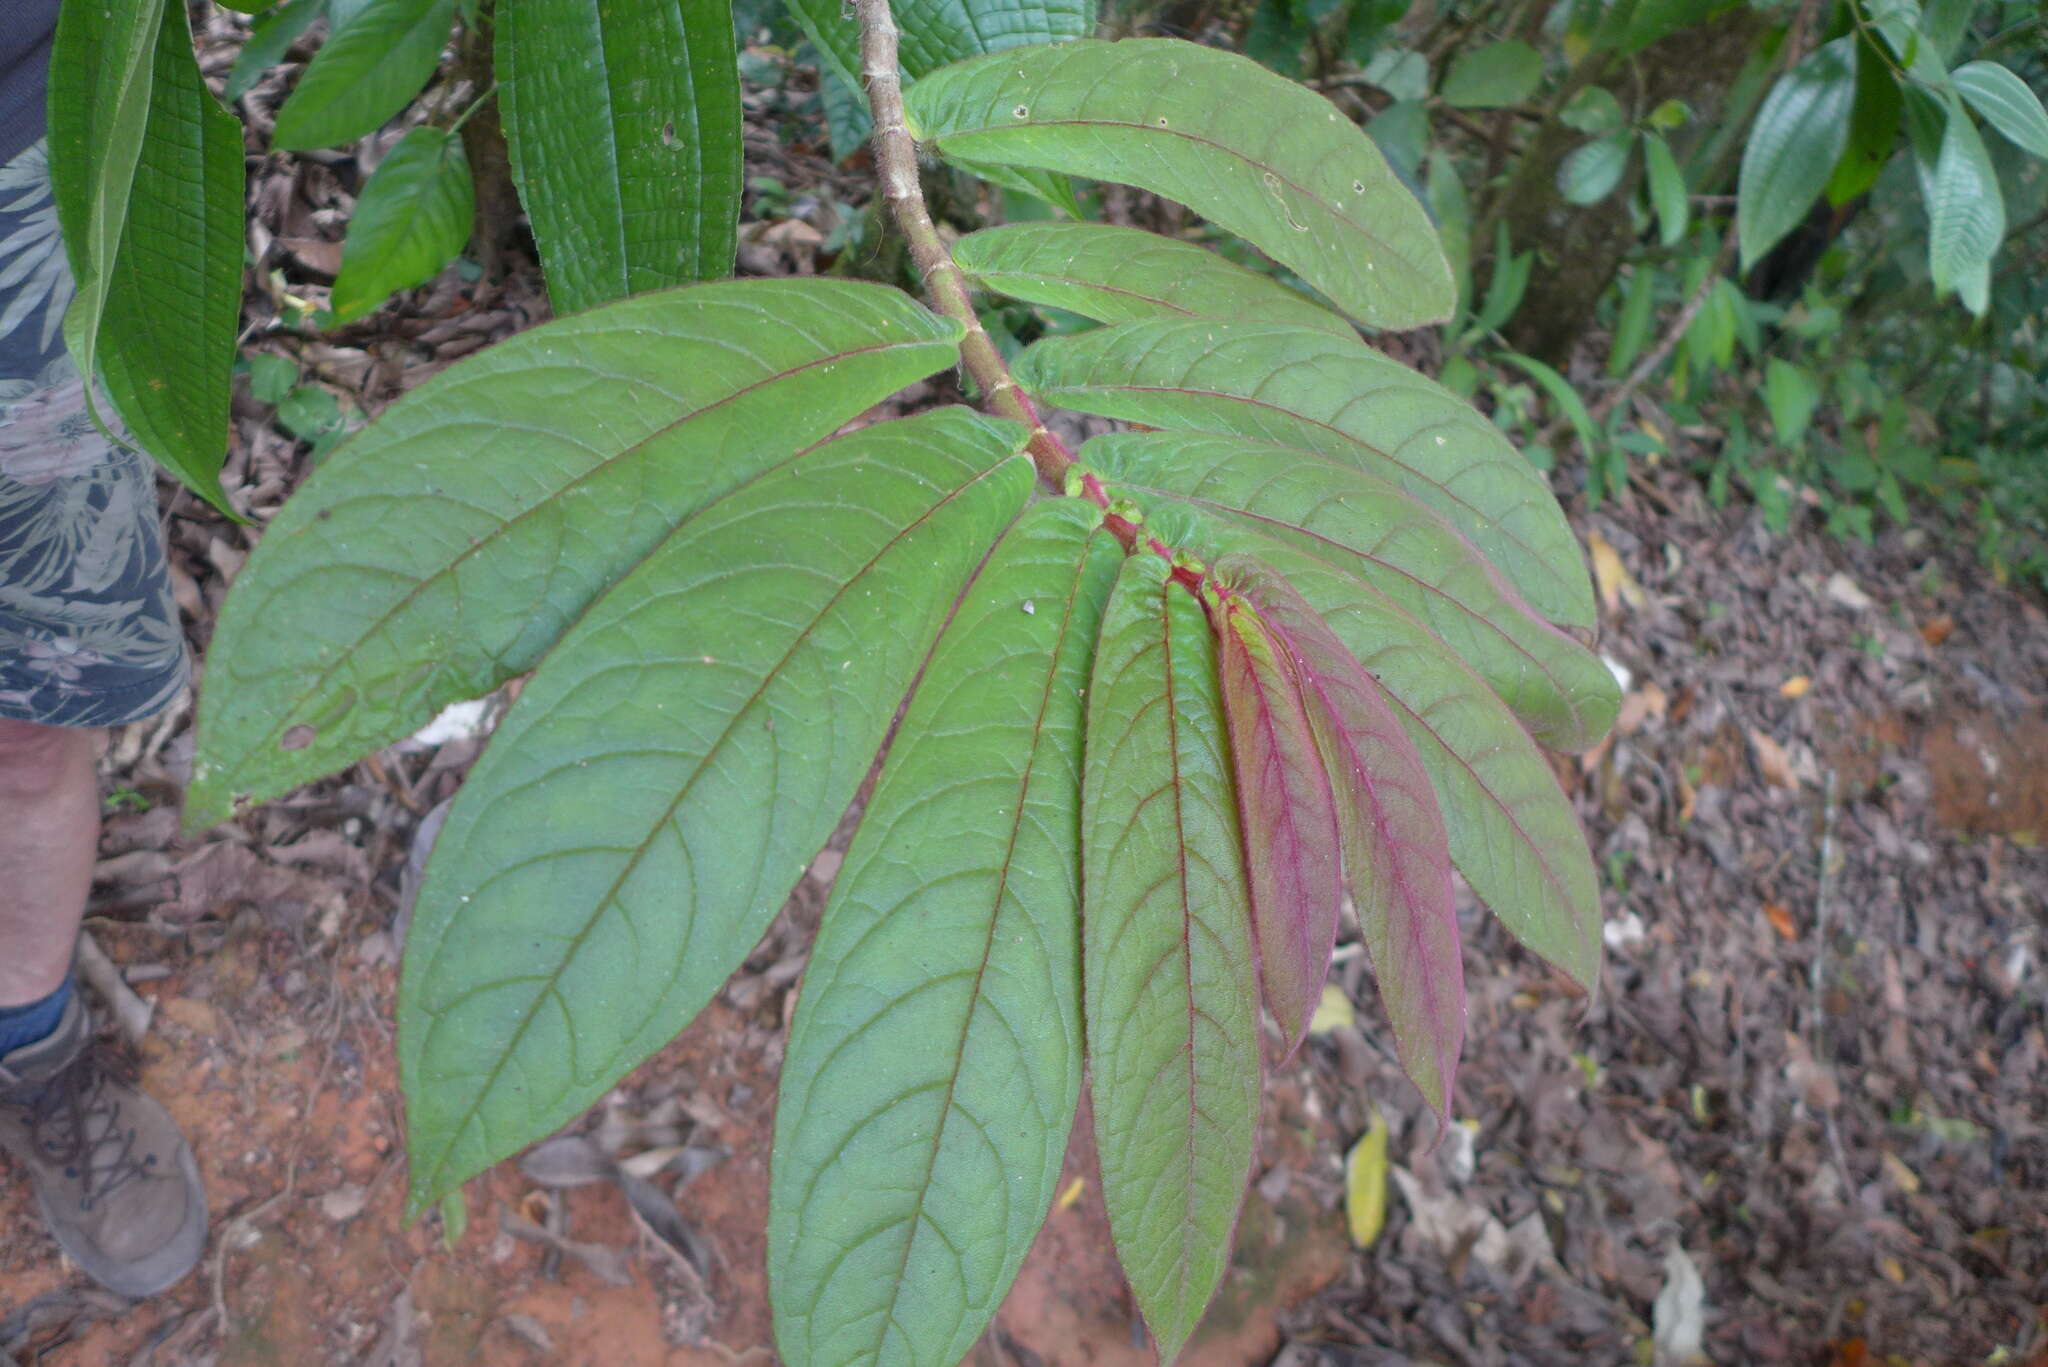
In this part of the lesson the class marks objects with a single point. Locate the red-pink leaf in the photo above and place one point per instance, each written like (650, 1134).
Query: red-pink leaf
(1286, 812)
(1396, 858)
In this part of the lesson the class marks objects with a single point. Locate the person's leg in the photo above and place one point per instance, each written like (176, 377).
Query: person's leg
(49, 831)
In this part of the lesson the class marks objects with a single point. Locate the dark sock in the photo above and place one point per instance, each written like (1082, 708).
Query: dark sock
(32, 1023)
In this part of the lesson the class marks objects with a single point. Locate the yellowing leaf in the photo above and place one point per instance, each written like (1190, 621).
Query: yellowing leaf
(1795, 687)
(1616, 584)
(1333, 1012)
(1365, 1184)
(1903, 1177)
(1071, 1195)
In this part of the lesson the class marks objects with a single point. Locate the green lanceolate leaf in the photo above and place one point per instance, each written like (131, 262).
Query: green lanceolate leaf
(1340, 399)
(1797, 138)
(1873, 126)
(1592, 170)
(628, 161)
(443, 550)
(1286, 812)
(147, 173)
(1251, 151)
(1396, 857)
(411, 220)
(1170, 991)
(935, 1058)
(1115, 275)
(1667, 189)
(1494, 76)
(936, 32)
(2006, 102)
(270, 37)
(1965, 213)
(365, 72)
(671, 769)
(1558, 689)
(1511, 830)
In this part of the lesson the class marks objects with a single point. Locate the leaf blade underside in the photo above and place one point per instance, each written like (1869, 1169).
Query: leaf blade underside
(1249, 150)
(1287, 815)
(1396, 854)
(629, 164)
(442, 550)
(1559, 689)
(763, 647)
(1340, 399)
(1118, 275)
(1170, 992)
(935, 1059)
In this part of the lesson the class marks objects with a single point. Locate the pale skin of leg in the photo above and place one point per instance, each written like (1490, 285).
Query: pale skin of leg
(49, 836)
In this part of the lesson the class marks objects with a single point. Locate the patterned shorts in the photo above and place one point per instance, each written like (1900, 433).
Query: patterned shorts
(89, 633)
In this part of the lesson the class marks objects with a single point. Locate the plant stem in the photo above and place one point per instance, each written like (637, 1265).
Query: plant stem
(896, 158)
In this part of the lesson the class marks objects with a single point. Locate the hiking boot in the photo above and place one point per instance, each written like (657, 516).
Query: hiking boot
(115, 1180)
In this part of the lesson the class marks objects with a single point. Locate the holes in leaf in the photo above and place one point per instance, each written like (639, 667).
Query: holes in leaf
(1022, 111)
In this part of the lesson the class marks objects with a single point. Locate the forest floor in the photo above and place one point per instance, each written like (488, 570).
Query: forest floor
(1806, 1116)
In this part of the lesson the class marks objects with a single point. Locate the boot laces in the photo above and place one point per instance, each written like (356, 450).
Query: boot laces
(75, 1119)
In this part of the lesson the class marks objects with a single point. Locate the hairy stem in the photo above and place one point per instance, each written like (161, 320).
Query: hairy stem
(896, 156)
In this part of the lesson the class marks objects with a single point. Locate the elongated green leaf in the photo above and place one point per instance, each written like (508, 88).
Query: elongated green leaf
(2006, 102)
(669, 772)
(1873, 127)
(628, 160)
(442, 550)
(1340, 399)
(1286, 811)
(1667, 189)
(366, 71)
(1558, 689)
(411, 220)
(936, 32)
(1798, 136)
(1170, 991)
(935, 1058)
(1965, 213)
(1490, 77)
(1396, 856)
(270, 37)
(1249, 150)
(1115, 275)
(1791, 394)
(1511, 831)
(147, 173)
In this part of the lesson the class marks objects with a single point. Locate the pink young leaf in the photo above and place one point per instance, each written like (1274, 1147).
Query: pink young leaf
(1397, 864)
(1286, 812)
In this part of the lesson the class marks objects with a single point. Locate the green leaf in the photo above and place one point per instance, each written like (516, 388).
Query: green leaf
(1493, 76)
(1965, 212)
(1562, 394)
(412, 218)
(2006, 103)
(1791, 394)
(1401, 72)
(1667, 189)
(1632, 325)
(1340, 399)
(1592, 170)
(270, 37)
(935, 1058)
(441, 551)
(1251, 151)
(628, 161)
(368, 69)
(146, 170)
(1873, 127)
(1594, 110)
(1799, 134)
(1558, 689)
(1511, 829)
(1507, 285)
(611, 859)
(1115, 275)
(1170, 991)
